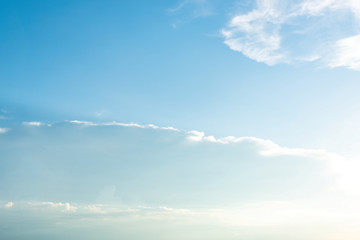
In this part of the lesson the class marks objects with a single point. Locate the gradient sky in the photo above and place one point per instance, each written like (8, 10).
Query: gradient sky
(118, 113)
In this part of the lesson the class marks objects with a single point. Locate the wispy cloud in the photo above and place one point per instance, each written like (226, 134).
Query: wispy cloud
(3, 130)
(35, 124)
(88, 123)
(198, 8)
(188, 10)
(297, 31)
(347, 53)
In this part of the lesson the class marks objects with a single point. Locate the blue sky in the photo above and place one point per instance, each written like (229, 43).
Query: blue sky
(118, 61)
(101, 81)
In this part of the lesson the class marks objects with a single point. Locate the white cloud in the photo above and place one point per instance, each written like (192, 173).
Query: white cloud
(35, 124)
(9, 205)
(270, 149)
(196, 136)
(256, 34)
(335, 164)
(344, 169)
(85, 123)
(266, 147)
(319, 7)
(3, 130)
(259, 214)
(167, 142)
(95, 209)
(64, 207)
(136, 125)
(298, 31)
(176, 179)
(347, 53)
(325, 219)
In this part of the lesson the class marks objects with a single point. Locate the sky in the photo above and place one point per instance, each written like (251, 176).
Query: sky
(179, 119)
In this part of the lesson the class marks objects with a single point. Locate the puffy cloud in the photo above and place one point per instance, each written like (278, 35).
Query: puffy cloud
(3, 130)
(296, 31)
(9, 205)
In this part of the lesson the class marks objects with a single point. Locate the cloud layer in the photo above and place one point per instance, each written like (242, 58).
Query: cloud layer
(85, 161)
(296, 31)
(112, 178)
(270, 220)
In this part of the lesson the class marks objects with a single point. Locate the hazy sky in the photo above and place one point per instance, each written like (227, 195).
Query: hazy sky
(179, 119)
